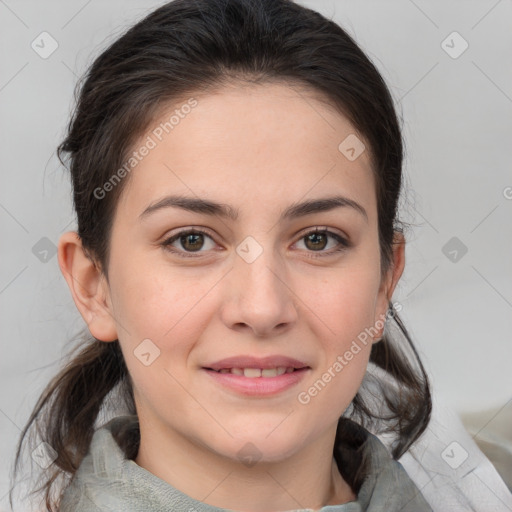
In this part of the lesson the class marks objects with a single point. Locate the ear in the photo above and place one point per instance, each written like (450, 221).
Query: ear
(88, 287)
(389, 282)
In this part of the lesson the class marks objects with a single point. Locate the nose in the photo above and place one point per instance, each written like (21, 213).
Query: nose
(258, 296)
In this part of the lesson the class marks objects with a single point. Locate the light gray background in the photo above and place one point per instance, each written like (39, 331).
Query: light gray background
(458, 128)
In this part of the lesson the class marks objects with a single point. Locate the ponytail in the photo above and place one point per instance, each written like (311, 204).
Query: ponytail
(69, 407)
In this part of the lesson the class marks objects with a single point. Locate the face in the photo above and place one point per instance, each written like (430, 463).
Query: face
(200, 316)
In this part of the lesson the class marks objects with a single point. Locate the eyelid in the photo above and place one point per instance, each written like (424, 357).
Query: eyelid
(321, 229)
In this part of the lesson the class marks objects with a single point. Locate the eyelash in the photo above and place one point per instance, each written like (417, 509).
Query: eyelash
(343, 243)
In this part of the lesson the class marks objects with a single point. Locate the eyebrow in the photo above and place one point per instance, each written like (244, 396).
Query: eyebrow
(295, 210)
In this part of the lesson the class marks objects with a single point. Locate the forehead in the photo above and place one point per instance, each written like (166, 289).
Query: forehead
(271, 143)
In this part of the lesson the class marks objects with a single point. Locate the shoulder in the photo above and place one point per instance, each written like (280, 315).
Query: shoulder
(104, 467)
(382, 484)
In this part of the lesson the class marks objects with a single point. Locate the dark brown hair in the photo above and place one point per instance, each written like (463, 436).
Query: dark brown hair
(197, 46)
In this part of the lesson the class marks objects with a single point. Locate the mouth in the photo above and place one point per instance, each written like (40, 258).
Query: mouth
(266, 376)
(253, 373)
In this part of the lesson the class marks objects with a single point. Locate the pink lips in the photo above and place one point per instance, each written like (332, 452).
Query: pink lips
(257, 386)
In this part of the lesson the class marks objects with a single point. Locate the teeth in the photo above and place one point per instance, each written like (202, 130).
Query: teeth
(258, 372)
(252, 372)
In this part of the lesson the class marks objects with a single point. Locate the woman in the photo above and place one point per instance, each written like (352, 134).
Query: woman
(236, 170)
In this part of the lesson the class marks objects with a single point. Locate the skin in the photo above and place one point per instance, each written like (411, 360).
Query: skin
(258, 149)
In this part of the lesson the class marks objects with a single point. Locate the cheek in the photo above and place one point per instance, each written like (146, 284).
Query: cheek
(342, 311)
(343, 302)
(338, 377)
(154, 300)
(172, 311)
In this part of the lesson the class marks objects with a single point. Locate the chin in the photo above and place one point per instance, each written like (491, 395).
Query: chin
(257, 446)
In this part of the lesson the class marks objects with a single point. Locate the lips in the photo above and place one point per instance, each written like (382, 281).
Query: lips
(254, 367)
(258, 372)
(257, 377)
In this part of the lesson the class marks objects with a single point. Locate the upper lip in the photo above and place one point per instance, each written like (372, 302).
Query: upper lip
(256, 362)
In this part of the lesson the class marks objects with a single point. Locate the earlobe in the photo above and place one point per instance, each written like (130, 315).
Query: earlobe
(389, 283)
(88, 287)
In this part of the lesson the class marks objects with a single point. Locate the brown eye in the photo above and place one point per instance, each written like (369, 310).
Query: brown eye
(192, 241)
(187, 241)
(318, 240)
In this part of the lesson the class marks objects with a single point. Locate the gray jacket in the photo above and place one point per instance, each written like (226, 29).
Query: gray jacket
(108, 481)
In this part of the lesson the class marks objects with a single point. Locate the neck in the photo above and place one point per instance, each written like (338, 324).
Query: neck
(308, 479)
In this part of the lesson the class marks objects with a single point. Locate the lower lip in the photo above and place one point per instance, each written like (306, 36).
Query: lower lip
(258, 386)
